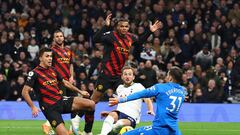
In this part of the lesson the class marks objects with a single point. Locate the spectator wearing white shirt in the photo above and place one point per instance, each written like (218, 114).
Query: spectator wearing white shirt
(33, 49)
(65, 28)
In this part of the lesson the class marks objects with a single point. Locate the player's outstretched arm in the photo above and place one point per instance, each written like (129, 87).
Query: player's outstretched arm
(73, 88)
(152, 28)
(149, 92)
(26, 96)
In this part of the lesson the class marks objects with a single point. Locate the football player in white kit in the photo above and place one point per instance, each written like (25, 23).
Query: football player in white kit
(128, 113)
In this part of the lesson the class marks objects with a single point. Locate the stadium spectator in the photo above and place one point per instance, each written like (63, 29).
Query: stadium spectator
(16, 89)
(204, 58)
(33, 49)
(212, 93)
(4, 88)
(147, 76)
(148, 52)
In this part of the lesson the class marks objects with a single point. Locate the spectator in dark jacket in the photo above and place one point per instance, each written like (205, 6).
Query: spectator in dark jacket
(4, 88)
(15, 94)
(147, 76)
(212, 93)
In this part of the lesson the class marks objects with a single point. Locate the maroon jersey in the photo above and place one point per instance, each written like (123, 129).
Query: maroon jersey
(116, 49)
(62, 59)
(44, 81)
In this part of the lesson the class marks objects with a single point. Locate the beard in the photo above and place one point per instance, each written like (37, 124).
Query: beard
(59, 43)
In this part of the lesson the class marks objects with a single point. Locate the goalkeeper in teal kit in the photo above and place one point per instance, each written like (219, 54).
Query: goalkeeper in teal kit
(169, 98)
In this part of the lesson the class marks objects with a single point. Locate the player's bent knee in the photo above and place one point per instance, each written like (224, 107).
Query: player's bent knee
(91, 105)
(96, 96)
(83, 104)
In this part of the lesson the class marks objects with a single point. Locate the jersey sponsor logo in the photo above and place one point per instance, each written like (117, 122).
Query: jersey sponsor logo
(122, 50)
(50, 82)
(61, 92)
(64, 60)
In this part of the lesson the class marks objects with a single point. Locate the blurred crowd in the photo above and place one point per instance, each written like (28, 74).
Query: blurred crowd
(200, 36)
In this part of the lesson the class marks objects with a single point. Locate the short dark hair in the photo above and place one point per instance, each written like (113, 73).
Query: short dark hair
(43, 50)
(121, 20)
(57, 31)
(176, 74)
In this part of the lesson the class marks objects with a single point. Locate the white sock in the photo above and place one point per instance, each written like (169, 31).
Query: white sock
(47, 123)
(75, 123)
(118, 124)
(107, 125)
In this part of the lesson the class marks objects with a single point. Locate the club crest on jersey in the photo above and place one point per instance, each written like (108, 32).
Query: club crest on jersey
(54, 74)
(60, 92)
(69, 53)
(54, 123)
(100, 87)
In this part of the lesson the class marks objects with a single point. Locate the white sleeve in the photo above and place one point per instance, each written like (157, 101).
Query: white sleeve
(118, 90)
(141, 87)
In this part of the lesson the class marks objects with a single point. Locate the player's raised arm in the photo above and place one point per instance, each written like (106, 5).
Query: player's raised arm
(73, 88)
(157, 25)
(26, 96)
(98, 35)
(152, 28)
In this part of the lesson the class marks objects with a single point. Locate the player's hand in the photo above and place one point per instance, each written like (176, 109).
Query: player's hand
(151, 113)
(104, 114)
(35, 111)
(84, 94)
(113, 101)
(71, 80)
(158, 24)
(108, 20)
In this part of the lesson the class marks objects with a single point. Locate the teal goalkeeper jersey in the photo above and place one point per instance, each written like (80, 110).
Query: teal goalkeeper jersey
(169, 98)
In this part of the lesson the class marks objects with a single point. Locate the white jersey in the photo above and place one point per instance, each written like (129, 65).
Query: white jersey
(131, 108)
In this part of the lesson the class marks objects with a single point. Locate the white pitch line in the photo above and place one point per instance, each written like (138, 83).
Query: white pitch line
(18, 127)
(223, 130)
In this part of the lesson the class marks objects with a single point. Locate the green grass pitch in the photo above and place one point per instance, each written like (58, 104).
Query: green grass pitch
(11, 127)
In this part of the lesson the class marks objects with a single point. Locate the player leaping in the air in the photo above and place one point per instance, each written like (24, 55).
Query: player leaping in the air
(126, 114)
(169, 99)
(117, 45)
